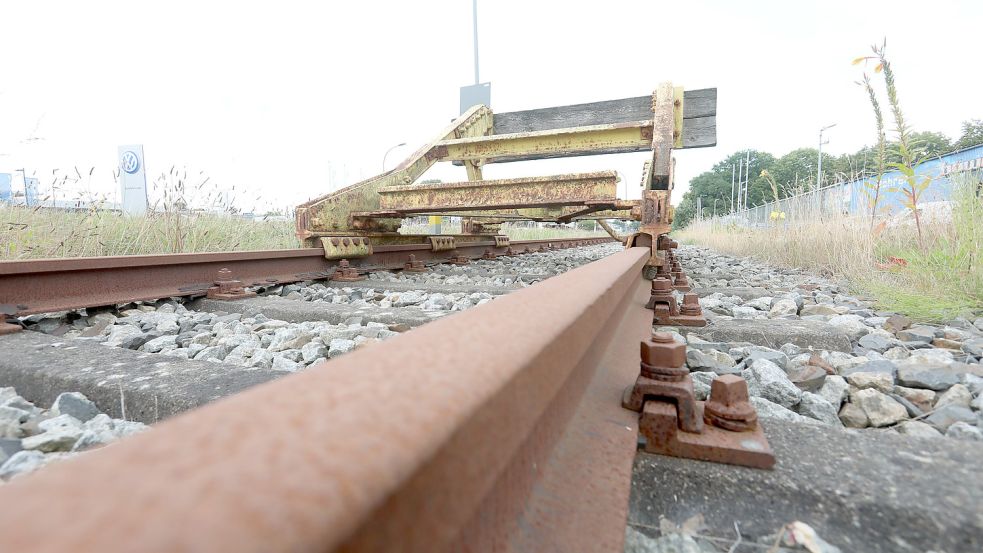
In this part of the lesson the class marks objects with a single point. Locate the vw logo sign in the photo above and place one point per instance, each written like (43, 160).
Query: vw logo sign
(129, 162)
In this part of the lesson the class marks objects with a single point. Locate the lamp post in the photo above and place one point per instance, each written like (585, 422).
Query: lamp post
(819, 165)
(387, 154)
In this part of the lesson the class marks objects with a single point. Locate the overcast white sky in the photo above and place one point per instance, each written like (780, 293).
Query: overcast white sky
(276, 98)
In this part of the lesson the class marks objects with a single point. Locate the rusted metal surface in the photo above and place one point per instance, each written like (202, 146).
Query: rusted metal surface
(613, 138)
(228, 288)
(346, 273)
(346, 247)
(7, 328)
(46, 285)
(586, 129)
(413, 265)
(440, 439)
(556, 190)
(331, 212)
(724, 429)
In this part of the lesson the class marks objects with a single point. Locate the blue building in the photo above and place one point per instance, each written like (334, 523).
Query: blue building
(6, 191)
(965, 163)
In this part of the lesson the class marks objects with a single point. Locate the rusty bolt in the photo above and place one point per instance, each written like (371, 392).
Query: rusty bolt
(729, 406)
(691, 304)
(663, 358)
(661, 286)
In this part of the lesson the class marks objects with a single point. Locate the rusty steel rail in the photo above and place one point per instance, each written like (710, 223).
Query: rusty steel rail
(496, 429)
(46, 285)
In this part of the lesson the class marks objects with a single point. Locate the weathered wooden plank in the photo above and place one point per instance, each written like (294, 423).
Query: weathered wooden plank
(700, 132)
(696, 104)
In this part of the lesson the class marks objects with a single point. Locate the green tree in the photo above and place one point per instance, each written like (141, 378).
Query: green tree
(931, 144)
(972, 134)
(714, 186)
(685, 212)
(796, 171)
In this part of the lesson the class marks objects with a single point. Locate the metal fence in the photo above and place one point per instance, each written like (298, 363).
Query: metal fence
(855, 197)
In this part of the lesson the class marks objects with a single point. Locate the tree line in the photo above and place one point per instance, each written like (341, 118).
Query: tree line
(796, 171)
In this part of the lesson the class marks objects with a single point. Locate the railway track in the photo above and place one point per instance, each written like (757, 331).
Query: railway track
(500, 428)
(456, 436)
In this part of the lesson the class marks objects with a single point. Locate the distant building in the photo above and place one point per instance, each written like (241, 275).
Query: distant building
(6, 190)
(944, 171)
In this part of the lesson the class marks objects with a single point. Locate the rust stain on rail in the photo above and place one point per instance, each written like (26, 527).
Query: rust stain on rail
(496, 429)
(46, 285)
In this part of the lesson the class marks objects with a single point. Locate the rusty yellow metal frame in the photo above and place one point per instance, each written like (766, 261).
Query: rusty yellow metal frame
(330, 215)
(375, 206)
(557, 190)
(624, 137)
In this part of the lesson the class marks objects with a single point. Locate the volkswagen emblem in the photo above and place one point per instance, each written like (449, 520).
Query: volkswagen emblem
(129, 162)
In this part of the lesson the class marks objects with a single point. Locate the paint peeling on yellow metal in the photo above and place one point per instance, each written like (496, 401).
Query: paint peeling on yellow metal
(558, 190)
(635, 136)
(331, 212)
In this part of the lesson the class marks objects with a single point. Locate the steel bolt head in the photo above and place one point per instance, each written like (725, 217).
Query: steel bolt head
(661, 284)
(729, 390)
(663, 351)
(662, 338)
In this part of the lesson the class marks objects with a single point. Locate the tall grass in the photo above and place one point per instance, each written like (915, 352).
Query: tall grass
(30, 233)
(939, 281)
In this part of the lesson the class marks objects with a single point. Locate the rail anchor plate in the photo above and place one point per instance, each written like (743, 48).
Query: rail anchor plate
(346, 247)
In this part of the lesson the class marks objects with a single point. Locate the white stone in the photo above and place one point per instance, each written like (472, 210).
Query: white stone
(815, 407)
(22, 462)
(964, 431)
(157, 344)
(74, 404)
(834, 390)
(882, 382)
(283, 363)
(918, 429)
(340, 346)
(958, 394)
(880, 409)
(766, 379)
(783, 307)
(852, 325)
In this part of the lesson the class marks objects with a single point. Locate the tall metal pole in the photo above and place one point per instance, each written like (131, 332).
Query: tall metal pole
(747, 179)
(740, 169)
(819, 164)
(732, 169)
(474, 5)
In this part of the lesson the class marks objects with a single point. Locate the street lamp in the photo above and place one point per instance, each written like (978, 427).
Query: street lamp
(387, 154)
(819, 170)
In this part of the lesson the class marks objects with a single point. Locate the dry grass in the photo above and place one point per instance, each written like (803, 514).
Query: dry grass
(939, 281)
(31, 233)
